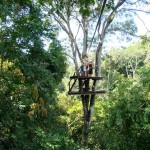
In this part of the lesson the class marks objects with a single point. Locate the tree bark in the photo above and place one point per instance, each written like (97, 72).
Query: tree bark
(85, 35)
(98, 60)
(88, 109)
(85, 102)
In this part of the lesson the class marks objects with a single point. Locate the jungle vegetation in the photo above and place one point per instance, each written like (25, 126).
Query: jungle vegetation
(36, 112)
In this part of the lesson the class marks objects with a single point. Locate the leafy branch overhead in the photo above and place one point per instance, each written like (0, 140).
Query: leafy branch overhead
(104, 15)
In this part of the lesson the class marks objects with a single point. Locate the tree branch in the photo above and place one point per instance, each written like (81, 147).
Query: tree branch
(98, 22)
(60, 23)
(69, 56)
(138, 10)
(76, 18)
(142, 22)
(128, 32)
(73, 40)
(77, 31)
(111, 17)
(130, 3)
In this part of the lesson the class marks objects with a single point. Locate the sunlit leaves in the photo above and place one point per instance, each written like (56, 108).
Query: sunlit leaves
(130, 112)
(28, 77)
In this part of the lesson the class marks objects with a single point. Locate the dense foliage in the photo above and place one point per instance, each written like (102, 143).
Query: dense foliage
(28, 77)
(126, 114)
(35, 110)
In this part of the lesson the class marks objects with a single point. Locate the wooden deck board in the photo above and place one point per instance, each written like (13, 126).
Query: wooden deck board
(82, 77)
(86, 93)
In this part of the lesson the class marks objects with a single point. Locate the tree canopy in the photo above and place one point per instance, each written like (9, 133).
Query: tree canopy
(97, 20)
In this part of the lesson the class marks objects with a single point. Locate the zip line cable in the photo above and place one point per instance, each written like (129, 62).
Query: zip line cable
(103, 6)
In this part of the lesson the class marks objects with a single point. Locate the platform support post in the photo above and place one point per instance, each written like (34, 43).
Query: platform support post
(88, 100)
(80, 85)
(85, 103)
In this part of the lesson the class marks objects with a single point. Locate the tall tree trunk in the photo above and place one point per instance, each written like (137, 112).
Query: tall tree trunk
(85, 102)
(76, 67)
(85, 35)
(75, 58)
(98, 60)
(89, 101)
(88, 109)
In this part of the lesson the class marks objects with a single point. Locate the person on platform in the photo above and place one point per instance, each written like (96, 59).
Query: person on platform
(90, 68)
(84, 66)
(82, 69)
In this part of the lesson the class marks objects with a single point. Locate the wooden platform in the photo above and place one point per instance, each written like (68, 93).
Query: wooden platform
(86, 93)
(86, 77)
(83, 84)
